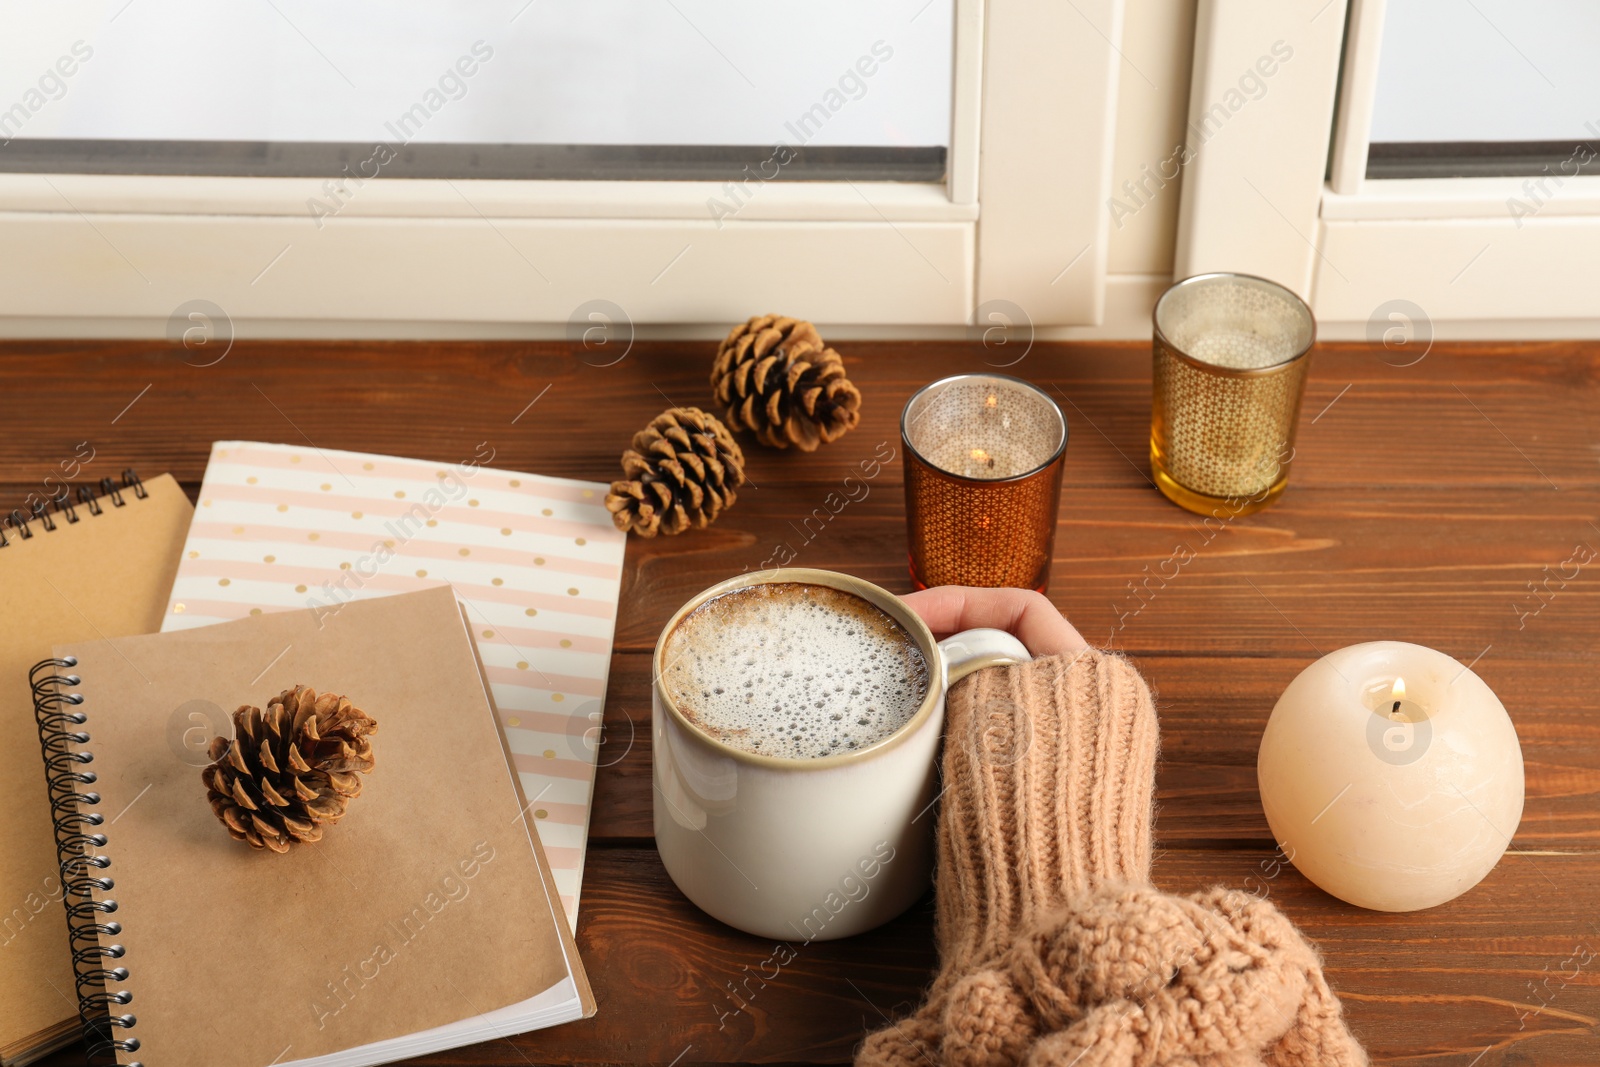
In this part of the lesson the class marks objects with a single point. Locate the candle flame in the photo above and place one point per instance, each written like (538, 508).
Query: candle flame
(979, 454)
(991, 401)
(1399, 691)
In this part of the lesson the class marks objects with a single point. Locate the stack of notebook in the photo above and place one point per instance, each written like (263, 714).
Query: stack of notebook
(99, 566)
(386, 938)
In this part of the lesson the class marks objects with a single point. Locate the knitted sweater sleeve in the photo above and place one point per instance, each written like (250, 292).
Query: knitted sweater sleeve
(1054, 948)
(1049, 772)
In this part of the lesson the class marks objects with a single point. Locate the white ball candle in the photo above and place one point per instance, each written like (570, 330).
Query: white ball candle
(1391, 776)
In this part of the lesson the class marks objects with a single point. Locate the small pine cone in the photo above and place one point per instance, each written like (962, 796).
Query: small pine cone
(291, 770)
(774, 377)
(681, 471)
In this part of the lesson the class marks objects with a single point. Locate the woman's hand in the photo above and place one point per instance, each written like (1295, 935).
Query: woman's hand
(1027, 615)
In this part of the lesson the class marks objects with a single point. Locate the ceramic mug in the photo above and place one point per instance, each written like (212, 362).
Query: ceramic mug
(803, 849)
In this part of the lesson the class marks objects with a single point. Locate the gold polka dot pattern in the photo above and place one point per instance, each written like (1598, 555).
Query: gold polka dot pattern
(1223, 436)
(1229, 372)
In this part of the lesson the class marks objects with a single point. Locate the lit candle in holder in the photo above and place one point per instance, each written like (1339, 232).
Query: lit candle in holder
(983, 461)
(1230, 358)
(1391, 776)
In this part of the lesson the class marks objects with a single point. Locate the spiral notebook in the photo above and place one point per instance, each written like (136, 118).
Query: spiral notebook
(536, 561)
(424, 919)
(95, 565)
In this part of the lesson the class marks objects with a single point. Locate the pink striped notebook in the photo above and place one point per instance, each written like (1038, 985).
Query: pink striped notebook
(535, 560)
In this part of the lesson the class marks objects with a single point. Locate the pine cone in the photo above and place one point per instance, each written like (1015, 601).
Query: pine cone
(681, 471)
(289, 771)
(774, 376)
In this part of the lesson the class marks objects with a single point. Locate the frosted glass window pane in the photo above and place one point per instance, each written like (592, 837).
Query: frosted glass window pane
(818, 73)
(1488, 70)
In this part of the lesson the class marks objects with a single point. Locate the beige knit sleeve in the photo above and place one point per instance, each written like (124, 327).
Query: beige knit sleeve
(1054, 948)
(1049, 771)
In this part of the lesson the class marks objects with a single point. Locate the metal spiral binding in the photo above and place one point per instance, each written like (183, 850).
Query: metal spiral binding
(77, 851)
(39, 511)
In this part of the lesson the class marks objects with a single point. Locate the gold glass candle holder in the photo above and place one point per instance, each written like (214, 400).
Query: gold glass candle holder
(1230, 370)
(983, 460)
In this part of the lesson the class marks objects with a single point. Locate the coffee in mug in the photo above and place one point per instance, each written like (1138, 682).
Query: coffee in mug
(795, 722)
(794, 670)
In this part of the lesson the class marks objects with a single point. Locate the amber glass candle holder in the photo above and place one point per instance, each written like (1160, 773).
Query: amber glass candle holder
(983, 461)
(1231, 354)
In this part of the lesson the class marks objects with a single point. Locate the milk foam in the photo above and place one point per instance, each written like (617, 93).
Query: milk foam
(794, 670)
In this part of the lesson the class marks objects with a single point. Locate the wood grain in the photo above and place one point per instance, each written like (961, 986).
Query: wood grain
(1489, 416)
(1438, 502)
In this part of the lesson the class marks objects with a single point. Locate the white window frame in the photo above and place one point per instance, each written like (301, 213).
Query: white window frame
(1282, 192)
(1017, 220)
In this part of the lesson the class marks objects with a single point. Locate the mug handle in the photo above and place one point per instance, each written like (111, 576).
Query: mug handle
(973, 650)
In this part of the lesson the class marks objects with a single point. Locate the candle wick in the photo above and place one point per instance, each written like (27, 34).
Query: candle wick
(1394, 710)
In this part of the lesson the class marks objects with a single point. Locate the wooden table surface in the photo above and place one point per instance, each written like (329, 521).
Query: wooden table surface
(1439, 503)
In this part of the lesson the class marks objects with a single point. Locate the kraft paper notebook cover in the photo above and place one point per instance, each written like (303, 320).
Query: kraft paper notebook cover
(100, 567)
(536, 561)
(424, 919)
